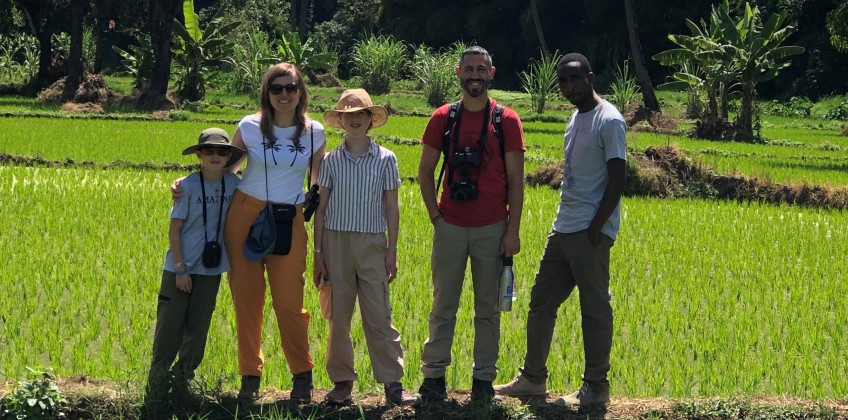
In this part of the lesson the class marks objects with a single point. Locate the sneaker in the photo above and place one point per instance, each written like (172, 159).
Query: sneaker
(522, 387)
(433, 389)
(249, 391)
(586, 396)
(395, 395)
(302, 387)
(341, 394)
(482, 390)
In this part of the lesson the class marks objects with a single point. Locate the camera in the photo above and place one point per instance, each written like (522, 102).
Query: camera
(310, 202)
(467, 156)
(463, 190)
(212, 254)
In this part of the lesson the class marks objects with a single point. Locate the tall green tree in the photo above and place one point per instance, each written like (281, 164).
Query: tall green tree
(643, 79)
(161, 18)
(43, 18)
(837, 26)
(75, 61)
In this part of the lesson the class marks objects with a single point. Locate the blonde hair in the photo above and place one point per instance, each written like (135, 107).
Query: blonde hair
(266, 110)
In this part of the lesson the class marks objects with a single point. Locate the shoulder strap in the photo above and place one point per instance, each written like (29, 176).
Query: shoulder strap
(311, 154)
(453, 115)
(497, 115)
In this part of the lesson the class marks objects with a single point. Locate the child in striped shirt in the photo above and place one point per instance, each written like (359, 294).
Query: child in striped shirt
(356, 233)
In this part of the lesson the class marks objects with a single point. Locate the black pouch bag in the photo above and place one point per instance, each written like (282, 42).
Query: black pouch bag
(284, 214)
(211, 257)
(212, 254)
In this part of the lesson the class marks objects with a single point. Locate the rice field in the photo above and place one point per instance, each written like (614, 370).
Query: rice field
(711, 298)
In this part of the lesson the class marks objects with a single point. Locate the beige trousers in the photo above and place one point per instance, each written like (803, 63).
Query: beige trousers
(356, 269)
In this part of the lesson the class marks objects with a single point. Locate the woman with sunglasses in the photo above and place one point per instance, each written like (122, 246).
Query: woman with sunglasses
(282, 145)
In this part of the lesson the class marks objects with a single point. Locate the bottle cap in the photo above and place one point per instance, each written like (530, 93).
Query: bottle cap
(507, 260)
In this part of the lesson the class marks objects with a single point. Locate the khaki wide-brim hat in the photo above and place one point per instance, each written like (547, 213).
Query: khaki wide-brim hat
(353, 100)
(216, 137)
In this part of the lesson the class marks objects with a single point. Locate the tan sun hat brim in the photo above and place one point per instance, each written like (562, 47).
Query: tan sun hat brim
(353, 100)
(379, 116)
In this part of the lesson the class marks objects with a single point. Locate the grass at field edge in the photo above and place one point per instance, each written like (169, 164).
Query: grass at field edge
(89, 398)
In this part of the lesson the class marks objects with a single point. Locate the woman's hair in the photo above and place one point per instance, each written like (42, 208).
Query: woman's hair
(266, 110)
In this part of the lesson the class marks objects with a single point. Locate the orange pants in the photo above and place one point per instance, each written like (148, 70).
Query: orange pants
(247, 285)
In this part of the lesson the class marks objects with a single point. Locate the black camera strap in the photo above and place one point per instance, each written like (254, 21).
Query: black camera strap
(220, 210)
(481, 142)
(311, 155)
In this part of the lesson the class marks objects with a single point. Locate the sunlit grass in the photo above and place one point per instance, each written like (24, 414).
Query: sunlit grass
(711, 298)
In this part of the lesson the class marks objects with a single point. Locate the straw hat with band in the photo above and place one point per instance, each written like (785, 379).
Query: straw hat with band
(354, 100)
(216, 137)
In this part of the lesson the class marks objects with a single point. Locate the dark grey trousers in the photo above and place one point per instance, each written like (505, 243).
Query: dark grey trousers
(570, 261)
(182, 325)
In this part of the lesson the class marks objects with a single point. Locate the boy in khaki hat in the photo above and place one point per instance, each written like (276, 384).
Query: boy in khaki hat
(356, 233)
(193, 266)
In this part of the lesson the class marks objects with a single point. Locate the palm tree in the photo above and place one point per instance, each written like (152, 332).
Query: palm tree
(538, 23)
(642, 77)
(75, 63)
(162, 14)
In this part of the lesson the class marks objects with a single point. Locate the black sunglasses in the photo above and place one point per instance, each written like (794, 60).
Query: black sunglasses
(209, 151)
(278, 89)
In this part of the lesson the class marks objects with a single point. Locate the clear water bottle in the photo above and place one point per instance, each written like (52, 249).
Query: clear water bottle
(507, 286)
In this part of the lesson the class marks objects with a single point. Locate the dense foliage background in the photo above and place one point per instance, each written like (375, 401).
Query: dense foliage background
(506, 28)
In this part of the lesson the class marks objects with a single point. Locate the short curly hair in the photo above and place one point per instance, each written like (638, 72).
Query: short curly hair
(575, 58)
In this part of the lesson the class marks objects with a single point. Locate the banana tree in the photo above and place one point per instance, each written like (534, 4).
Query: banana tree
(138, 62)
(730, 52)
(195, 50)
(701, 63)
(305, 56)
(756, 52)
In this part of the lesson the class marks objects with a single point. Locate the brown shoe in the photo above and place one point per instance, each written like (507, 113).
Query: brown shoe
(521, 386)
(587, 395)
(341, 394)
(249, 391)
(395, 395)
(302, 387)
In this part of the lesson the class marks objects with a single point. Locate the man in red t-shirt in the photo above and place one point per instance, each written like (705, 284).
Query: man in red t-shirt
(478, 216)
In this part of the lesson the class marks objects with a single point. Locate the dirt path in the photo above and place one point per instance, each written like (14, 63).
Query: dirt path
(92, 399)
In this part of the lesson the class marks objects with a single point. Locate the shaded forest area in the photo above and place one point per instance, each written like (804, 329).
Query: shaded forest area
(507, 28)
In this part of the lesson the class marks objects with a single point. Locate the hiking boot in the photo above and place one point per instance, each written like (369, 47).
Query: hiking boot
(482, 390)
(341, 394)
(522, 387)
(180, 393)
(433, 389)
(249, 391)
(586, 396)
(395, 395)
(302, 387)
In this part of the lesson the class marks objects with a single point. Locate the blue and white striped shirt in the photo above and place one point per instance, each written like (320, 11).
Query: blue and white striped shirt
(357, 185)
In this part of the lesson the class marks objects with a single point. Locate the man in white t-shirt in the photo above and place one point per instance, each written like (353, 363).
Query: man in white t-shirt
(578, 249)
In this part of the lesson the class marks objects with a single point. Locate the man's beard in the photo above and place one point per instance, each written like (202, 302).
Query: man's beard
(478, 91)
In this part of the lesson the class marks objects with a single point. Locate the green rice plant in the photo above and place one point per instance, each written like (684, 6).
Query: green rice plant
(435, 73)
(378, 60)
(711, 283)
(540, 81)
(624, 88)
